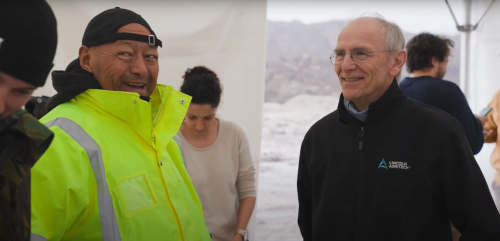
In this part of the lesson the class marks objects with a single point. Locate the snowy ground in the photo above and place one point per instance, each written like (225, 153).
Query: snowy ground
(284, 128)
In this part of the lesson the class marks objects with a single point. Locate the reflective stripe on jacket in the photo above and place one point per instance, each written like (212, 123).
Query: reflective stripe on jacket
(114, 171)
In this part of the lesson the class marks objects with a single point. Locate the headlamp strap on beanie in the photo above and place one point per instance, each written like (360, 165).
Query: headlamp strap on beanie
(151, 39)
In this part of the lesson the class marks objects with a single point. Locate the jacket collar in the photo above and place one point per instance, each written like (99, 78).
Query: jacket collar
(377, 110)
(24, 123)
(156, 121)
(7, 122)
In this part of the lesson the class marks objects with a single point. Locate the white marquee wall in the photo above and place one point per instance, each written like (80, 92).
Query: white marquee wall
(484, 62)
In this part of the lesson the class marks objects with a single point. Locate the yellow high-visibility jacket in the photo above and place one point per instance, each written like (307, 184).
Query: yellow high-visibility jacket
(114, 171)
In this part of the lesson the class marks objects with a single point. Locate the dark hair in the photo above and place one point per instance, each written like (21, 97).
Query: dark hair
(423, 47)
(203, 85)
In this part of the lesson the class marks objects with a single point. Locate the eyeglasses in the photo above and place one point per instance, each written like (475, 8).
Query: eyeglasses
(356, 55)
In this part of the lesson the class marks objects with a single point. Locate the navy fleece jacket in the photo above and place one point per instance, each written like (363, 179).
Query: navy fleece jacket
(448, 97)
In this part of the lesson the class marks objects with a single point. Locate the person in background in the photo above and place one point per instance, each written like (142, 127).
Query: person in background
(114, 170)
(491, 130)
(218, 158)
(427, 63)
(427, 60)
(28, 42)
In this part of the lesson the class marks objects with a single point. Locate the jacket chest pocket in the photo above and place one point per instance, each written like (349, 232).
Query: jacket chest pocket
(135, 194)
(387, 175)
(387, 195)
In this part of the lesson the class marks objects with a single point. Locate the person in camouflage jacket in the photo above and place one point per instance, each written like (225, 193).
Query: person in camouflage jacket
(22, 141)
(28, 41)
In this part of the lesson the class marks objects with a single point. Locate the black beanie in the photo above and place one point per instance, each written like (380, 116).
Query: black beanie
(28, 40)
(103, 28)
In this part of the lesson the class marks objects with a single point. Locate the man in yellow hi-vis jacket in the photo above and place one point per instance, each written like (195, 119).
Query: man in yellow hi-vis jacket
(114, 170)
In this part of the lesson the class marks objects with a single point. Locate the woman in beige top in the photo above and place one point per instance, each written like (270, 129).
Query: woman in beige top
(218, 159)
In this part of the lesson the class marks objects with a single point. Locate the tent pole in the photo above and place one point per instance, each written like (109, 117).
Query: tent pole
(465, 75)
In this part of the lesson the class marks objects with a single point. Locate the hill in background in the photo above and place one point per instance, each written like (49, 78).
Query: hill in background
(298, 59)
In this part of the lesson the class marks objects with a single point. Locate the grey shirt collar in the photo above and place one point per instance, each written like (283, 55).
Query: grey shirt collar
(351, 109)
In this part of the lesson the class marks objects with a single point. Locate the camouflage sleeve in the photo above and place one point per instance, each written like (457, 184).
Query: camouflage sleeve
(25, 142)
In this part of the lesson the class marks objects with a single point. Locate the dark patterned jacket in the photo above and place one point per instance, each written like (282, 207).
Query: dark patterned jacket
(22, 141)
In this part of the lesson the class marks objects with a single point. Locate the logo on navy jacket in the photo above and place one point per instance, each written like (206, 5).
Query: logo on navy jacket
(394, 165)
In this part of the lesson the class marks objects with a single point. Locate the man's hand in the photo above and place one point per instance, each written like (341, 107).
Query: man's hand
(237, 237)
(483, 119)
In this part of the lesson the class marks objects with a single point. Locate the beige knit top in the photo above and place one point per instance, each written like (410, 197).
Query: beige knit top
(222, 174)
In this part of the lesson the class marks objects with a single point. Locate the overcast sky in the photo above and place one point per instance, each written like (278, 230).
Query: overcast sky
(412, 15)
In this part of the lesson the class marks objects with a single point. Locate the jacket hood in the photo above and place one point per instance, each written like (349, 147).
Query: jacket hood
(70, 83)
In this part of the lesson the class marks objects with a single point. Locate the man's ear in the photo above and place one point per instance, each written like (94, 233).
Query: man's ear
(399, 61)
(84, 55)
(434, 62)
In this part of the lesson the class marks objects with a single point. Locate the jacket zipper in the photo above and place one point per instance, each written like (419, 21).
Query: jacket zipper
(361, 133)
(167, 193)
(360, 196)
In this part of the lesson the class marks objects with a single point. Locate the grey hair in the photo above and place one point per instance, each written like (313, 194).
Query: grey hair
(394, 38)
